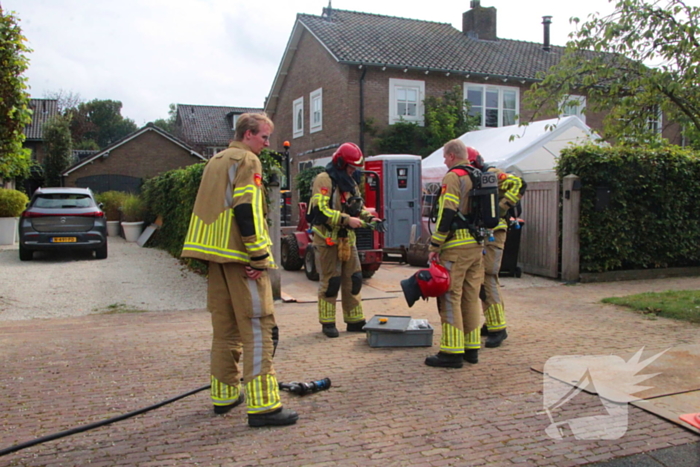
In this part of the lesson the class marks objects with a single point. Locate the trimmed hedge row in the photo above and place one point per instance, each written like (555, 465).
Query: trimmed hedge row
(640, 208)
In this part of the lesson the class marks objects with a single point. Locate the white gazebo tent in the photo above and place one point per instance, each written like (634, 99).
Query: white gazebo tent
(517, 149)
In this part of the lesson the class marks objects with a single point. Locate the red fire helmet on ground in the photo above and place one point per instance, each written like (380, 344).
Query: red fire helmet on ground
(431, 282)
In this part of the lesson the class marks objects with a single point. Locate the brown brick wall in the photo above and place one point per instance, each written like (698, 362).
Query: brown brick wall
(145, 156)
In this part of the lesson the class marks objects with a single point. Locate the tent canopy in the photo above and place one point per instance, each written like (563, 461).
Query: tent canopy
(533, 148)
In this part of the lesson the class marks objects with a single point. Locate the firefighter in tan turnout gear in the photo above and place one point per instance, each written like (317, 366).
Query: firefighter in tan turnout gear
(335, 210)
(456, 248)
(228, 229)
(510, 190)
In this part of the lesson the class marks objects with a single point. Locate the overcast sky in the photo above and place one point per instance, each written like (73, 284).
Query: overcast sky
(151, 53)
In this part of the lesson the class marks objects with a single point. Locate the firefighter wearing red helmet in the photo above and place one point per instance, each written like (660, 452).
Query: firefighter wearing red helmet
(454, 246)
(510, 190)
(336, 209)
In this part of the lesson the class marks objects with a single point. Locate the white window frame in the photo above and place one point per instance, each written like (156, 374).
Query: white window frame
(305, 165)
(656, 124)
(234, 120)
(298, 117)
(316, 109)
(395, 86)
(501, 90)
(573, 104)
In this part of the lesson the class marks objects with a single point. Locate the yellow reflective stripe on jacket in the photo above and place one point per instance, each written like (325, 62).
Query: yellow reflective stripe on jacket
(262, 241)
(323, 203)
(511, 188)
(502, 224)
(213, 239)
(461, 237)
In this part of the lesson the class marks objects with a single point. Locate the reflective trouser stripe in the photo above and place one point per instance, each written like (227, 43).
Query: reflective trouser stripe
(493, 305)
(459, 307)
(472, 340)
(326, 311)
(222, 393)
(452, 340)
(495, 317)
(263, 394)
(328, 265)
(355, 315)
(242, 321)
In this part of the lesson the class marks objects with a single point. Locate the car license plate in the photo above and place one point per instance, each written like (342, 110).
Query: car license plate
(63, 240)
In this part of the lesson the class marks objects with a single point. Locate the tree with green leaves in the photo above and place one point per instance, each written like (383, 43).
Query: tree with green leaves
(447, 117)
(14, 99)
(642, 59)
(168, 124)
(100, 122)
(59, 151)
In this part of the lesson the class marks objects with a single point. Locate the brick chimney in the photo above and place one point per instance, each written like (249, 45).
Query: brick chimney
(480, 22)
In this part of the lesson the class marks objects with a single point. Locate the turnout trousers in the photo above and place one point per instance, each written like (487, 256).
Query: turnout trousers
(491, 298)
(459, 307)
(338, 276)
(242, 317)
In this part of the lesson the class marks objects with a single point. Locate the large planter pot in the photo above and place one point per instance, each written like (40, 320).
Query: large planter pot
(8, 230)
(113, 228)
(132, 230)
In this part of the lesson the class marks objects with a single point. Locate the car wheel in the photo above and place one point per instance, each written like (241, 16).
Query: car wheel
(101, 253)
(310, 264)
(289, 253)
(24, 254)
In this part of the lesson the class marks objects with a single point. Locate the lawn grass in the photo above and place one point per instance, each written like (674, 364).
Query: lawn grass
(676, 304)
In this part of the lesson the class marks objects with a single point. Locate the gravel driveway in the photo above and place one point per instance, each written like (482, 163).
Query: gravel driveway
(61, 284)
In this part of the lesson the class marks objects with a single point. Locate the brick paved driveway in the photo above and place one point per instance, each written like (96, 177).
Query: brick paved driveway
(385, 407)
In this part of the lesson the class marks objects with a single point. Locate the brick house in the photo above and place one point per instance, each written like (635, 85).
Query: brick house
(343, 68)
(208, 129)
(42, 111)
(125, 164)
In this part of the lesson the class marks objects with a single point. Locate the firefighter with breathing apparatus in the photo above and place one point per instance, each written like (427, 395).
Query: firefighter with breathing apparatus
(335, 210)
(510, 190)
(455, 246)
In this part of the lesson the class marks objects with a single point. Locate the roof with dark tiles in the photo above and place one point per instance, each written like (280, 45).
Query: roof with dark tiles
(42, 111)
(208, 124)
(371, 39)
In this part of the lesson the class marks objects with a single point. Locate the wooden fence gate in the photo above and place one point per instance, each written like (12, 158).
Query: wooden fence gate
(539, 242)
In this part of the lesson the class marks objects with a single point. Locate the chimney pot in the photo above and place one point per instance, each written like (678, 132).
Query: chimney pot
(546, 21)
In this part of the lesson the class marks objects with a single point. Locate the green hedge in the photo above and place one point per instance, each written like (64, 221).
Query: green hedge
(651, 219)
(171, 196)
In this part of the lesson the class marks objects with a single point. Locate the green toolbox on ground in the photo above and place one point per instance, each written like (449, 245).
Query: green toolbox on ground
(398, 331)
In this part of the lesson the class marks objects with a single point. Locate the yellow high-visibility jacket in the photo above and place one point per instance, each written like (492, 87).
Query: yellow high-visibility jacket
(228, 220)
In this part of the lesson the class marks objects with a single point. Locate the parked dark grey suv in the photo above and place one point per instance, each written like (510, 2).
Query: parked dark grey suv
(60, 219)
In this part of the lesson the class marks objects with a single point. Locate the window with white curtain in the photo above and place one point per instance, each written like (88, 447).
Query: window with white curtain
(316, 103)
(495, 106)
(406, 100)
(298, 117)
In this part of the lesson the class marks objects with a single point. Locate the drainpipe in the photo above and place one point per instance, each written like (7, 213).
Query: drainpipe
(546, 21)
(362, 109)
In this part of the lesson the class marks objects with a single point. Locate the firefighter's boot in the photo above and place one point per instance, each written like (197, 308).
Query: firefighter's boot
(330, 330)
(484, 330)
(445, 360)
(222, 409)
(279, 417)
(356, 327)
(495, 338)
(471, 356)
